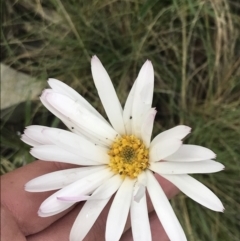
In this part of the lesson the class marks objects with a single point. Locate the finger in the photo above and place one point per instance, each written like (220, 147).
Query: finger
(61, 228)
(157, 230)
(22, 205)
(9, 228)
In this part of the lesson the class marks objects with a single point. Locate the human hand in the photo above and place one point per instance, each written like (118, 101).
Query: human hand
(20, 221)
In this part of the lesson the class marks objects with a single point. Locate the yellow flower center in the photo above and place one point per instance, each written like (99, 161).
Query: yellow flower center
(128, 156)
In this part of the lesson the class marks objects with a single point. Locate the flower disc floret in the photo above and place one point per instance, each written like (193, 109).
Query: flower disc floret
(128, 156)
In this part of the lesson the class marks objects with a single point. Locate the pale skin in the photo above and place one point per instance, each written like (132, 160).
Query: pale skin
(19, 219)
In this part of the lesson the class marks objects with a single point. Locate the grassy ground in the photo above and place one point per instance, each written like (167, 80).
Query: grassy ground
(194, 46)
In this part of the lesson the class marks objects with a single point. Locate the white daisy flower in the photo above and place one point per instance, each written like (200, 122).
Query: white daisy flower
(118, 157)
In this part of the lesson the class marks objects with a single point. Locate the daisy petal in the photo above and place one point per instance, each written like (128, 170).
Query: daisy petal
(60, 87)
(107, 95)
(53, 206)
(59, 179)
(164, 210)
(127, 112)
(77, 145)
(139, 219)
(83, 186)
(63, 208)
(208, 166)
(163, 149)
(147, 126)
(143, 95)
(196, 190)
(107, 189)
(64, 89)
(69, 123)
(81, 116)
(54, 153)
(92, 208)
(29, 141)
(178, 132)
(35, 133)
(140, 187)
(74, 199)
(71, 126)
(118, 212)
(191, 153)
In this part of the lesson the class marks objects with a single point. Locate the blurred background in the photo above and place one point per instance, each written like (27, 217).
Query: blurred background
(194, 46)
